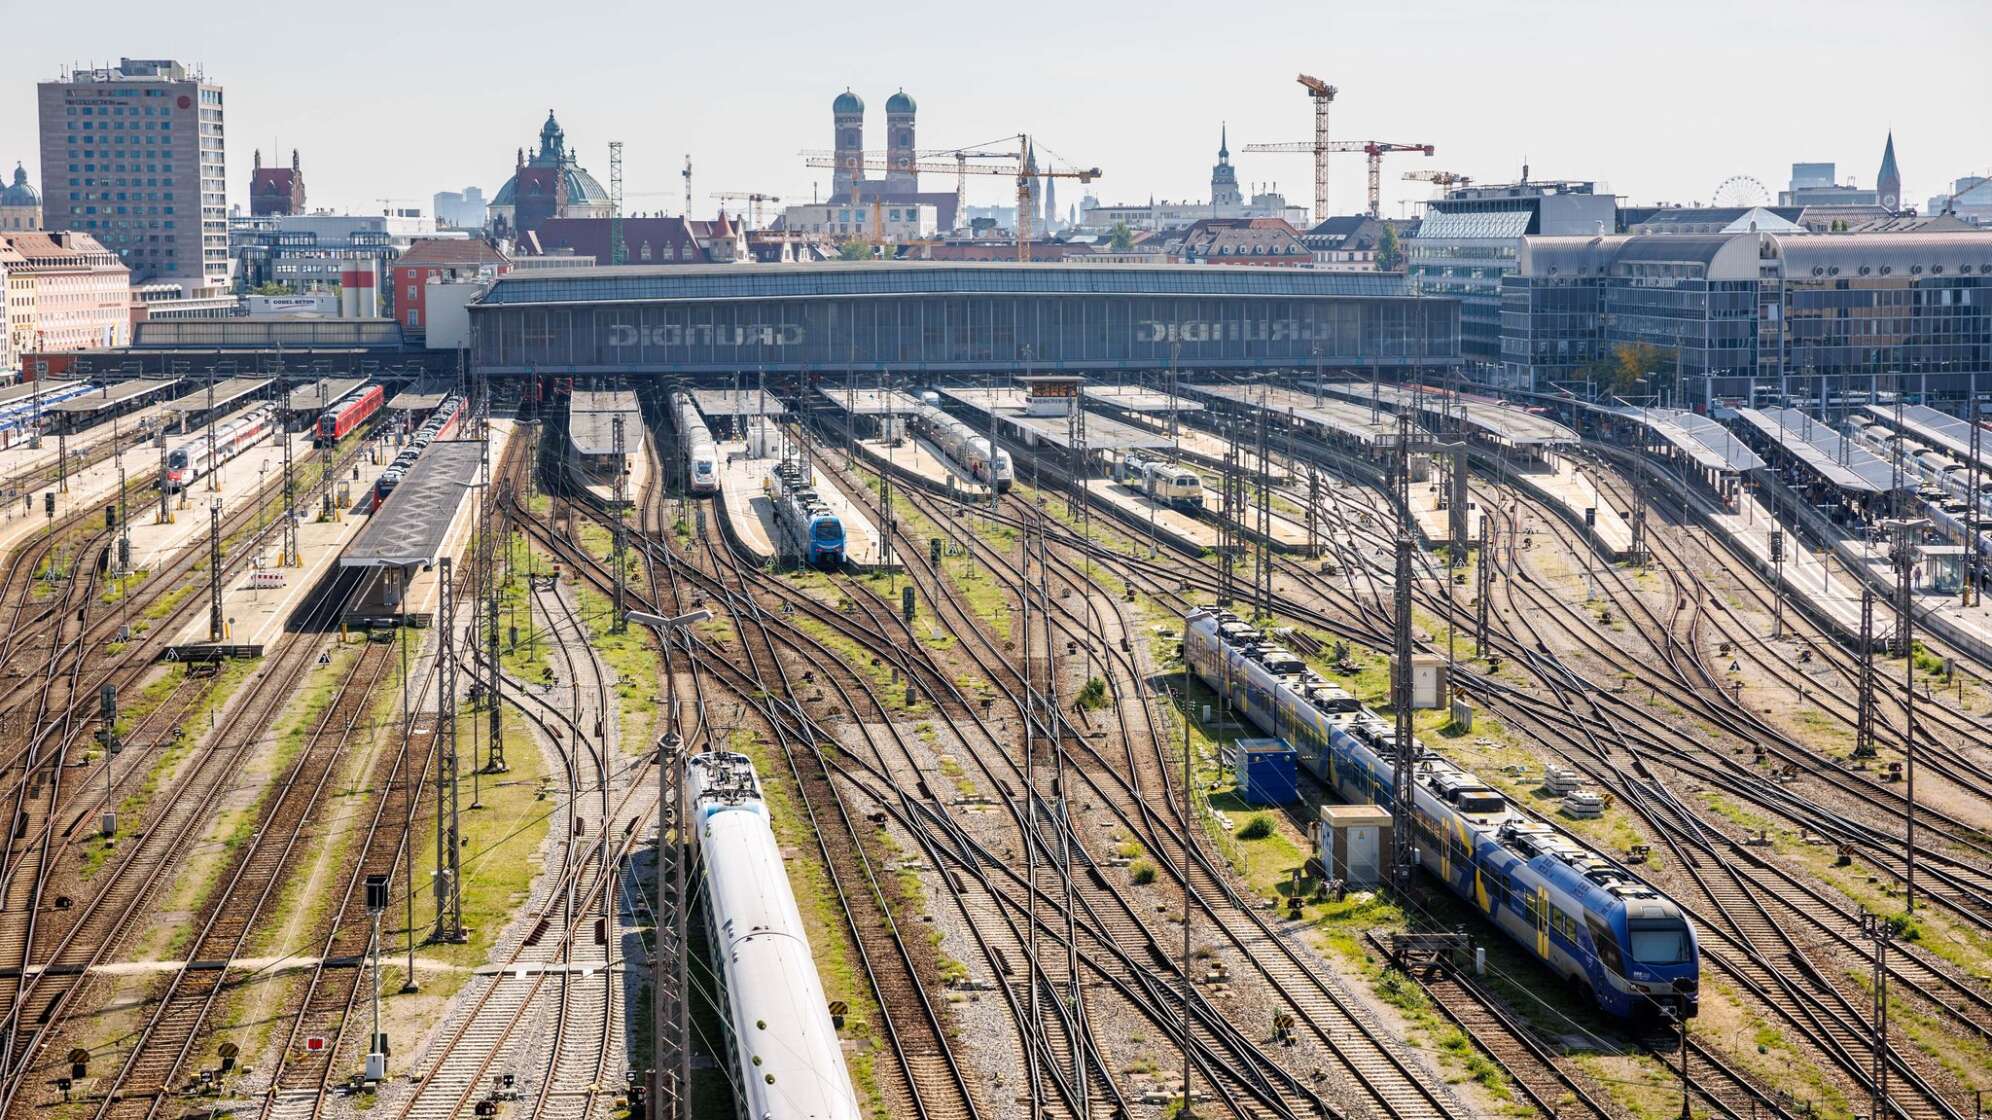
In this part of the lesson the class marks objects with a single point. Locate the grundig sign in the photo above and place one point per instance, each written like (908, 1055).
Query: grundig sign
(705, 334)
(1232, 330)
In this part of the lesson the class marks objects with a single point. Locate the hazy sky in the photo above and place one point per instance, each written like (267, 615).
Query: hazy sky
(1660, 102)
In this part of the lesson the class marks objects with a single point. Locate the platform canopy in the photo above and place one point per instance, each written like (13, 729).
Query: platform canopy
(226, 393)
(1712, 446)
(1498, 421)
(873, 402)
(1828, 454)
(323, 393)
(425, 395)
(114, 394)
(741, 402)
(1102, 433)
(1941, 430)
(591, 421)
(410, 528)
(1346, 417)
(1140, 398)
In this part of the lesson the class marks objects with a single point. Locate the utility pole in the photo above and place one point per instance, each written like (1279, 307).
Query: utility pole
(1481, 589)
(1974, 593)
(1262, 559)
(215, 629)
(1881, 931)
(449, 893)
(1864, 721)
(213, 468)
(1403, 842)
(620, 502)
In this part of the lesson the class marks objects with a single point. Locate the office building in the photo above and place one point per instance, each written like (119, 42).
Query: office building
(64, 292)
(462, 209)
(1739, 316)
(311, 251)
(1470, 240)
(132, 155)
(439, 260)
(897, 221)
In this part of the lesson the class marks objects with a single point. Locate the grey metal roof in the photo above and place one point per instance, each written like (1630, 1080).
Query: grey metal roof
(421, 396)
(409, 528)
(116, 393)
(225, 393)
(1139, 398)
(591, 421)
(1938, 429)
(1903, 254)
(28, 389)
(1103, 433)
(1815, 443)
(1346, 417)
(1502, 422)
(309, 398)
(650, 283)
(1708, 443)
(873, 402)
(746, 402)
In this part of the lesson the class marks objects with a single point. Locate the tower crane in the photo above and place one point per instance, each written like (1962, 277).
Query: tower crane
(1322, 95)
(1439, 178)
(1022, 172)
(961, 157)
(754, 199)
(1374, 149)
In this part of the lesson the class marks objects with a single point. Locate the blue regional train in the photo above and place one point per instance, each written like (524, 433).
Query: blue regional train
(1628, 948)
(809, 530)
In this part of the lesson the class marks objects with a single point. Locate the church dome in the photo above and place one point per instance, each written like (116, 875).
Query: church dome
(19, 193)
(900, 103)
(847, 102)
(582, 188)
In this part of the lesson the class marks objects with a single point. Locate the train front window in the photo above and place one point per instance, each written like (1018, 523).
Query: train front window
(827, 530)
(1658, 942)
(177, 460)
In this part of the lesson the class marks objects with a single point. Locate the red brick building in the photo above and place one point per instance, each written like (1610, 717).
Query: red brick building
(444, 259)
(276, 190)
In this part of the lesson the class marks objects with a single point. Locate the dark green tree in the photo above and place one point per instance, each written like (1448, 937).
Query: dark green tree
(1389, 254)
(1120, 237)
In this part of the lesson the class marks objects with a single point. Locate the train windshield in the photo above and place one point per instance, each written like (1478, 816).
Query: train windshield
(702, 467)
(177, 459)
(1658, 942)
(827, 529)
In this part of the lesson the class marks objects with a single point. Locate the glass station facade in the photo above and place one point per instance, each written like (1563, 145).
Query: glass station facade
(948, 317)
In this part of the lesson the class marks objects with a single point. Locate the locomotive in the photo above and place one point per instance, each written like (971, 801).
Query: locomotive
(807, 527)
(1174, 486)
(701, 454)
(1626, 947)
(189, 461)
(782, 1048)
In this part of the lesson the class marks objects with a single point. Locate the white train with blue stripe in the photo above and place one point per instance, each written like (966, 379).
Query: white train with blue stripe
(1584, 915)
(783, 1050)
(20, 414)
(701, 453)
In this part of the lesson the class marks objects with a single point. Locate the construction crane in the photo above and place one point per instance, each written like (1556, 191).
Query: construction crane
(1374, 149)
(754, 199)
(961, 156)
(1022, 172)
(1444, 179)
(1322, 95)
(618, 251)
(687, 173)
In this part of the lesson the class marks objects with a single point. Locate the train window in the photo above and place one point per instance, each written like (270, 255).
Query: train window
(1605, 945)
(1459, 852)
(1658, 942)
(1531, 907)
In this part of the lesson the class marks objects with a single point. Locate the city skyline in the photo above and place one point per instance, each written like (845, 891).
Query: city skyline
(1109, 90)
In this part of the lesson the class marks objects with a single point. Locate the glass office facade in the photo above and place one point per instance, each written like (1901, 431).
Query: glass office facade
(874, 318)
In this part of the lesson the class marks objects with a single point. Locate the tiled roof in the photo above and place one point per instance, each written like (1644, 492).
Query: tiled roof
(440, 252)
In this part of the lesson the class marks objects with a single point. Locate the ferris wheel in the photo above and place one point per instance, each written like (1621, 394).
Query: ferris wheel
(1741, 190)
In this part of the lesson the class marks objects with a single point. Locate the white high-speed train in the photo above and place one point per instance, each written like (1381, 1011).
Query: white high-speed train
(701, 454)
(189, 461)
(966, 449)
(784, 1054)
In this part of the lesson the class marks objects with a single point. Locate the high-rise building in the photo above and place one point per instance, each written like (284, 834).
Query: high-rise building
(133, 156)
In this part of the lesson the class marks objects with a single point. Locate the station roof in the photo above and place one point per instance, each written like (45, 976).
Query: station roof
(408, 529)
(27, 389)
(1940, 430)
(225, 393)
(650, 283)
(1140, 398)
(1501, 422)
(1814, 442)
(1708, 443)
(873, 402)
(116, 393)
(315, 396)
(421, 396)
(1346, 417)
(745, 402)
(591, 421)
(1103, 433)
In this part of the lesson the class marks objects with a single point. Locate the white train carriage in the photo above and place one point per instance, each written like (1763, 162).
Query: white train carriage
(701, 453)
(190, 461)
(784, 1054)
(966, 449)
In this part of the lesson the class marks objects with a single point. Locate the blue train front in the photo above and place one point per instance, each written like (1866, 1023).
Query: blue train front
(1622, 944)
(826, 541)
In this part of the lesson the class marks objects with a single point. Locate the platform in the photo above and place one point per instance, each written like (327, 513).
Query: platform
(84, 409)
(1140, 398)
(591, 417)
(1103, 433)
(260, 467)
(924, 461)
(1497, 421)
(17, 458)
(422, 396)
(1825, 452)
(1940, 430)
(1342, 418)
(314, 397)
(226, 394)
(1570, 486)
(601, 483)
(409, 529)
(873, 402)
(1186, 531)
(746, 401)
(258, 604)
(1209, 450)
(744, 503)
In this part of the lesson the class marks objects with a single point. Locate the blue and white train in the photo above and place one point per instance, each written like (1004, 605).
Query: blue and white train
(1585, 916)
(783, 1049)
(809, 530)
(19, 415)
(701, 453)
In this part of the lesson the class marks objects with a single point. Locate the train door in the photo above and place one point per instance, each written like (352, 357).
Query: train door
(1542, 922)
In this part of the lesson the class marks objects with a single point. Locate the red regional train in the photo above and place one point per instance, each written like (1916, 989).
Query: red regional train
(334, 423)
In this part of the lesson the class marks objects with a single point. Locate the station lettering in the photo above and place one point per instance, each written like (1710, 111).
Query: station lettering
(1231, 330)
(704, 334)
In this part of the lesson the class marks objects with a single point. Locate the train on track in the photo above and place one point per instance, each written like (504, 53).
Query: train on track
(190, 461)
(783, 1050)
(336, 422)
(701, 453)
(1626, 947)
(1171, 484)
(20, 415)
(808, 529)
(968, 451)
(439, 425)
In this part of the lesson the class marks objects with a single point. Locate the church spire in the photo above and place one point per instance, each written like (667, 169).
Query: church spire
(1224, 142)
(1888, 181)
